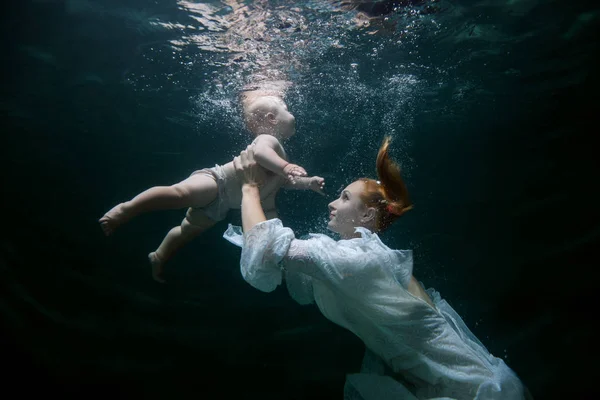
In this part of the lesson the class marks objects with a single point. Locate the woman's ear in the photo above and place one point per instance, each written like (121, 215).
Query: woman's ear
(272, 119)
(369, 214)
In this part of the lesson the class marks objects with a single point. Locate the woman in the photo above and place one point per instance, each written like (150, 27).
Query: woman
(368, 288)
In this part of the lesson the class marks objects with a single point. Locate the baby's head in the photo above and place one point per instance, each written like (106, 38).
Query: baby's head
(268, 114)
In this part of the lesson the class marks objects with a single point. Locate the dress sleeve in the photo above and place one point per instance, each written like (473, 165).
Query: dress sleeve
(270, 251)
(266, 248)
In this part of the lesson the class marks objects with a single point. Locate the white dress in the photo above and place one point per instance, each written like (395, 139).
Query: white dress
(361, 285)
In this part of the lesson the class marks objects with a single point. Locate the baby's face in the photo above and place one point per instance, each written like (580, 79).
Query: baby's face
(286, 125)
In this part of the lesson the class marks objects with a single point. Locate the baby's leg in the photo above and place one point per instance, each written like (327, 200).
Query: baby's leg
(175, 239)
(196, 191)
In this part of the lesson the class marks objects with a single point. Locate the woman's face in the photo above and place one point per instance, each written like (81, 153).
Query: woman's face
(349, 211)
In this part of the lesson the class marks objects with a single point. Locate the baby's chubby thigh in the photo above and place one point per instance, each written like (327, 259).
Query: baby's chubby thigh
(196, 219)
(200, 189)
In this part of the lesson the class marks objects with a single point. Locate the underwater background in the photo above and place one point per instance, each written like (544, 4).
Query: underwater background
(493, 109)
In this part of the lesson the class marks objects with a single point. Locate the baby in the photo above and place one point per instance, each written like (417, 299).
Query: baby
(210, 193)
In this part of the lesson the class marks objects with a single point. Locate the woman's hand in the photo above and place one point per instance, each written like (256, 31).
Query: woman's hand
(247, 169)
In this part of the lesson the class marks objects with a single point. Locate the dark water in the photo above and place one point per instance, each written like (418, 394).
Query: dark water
(493, 107)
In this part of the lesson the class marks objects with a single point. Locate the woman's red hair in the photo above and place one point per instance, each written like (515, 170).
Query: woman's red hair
(388, 195)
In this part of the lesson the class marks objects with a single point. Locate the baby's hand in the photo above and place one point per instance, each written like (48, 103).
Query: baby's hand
(293, 170)
(317, 184)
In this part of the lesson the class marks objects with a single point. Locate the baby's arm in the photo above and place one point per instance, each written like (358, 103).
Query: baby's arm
(314, 183)
(266, 155)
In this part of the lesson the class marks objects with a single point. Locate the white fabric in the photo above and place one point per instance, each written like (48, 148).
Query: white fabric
(361, 285)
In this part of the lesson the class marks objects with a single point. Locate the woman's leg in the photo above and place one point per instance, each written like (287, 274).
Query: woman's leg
(197, 190)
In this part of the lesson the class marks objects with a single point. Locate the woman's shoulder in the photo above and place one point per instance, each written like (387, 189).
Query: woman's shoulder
(372, 242)
(367, 246)
(398, 262)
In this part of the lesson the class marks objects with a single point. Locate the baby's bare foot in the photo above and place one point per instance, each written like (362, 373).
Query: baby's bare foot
(112, 219)
(157, 267)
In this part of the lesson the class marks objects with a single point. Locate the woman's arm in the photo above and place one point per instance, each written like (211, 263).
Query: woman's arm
(268, 244)
(251, 176)
(252, 211)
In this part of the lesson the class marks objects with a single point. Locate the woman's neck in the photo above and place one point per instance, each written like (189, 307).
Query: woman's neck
(353, 235)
